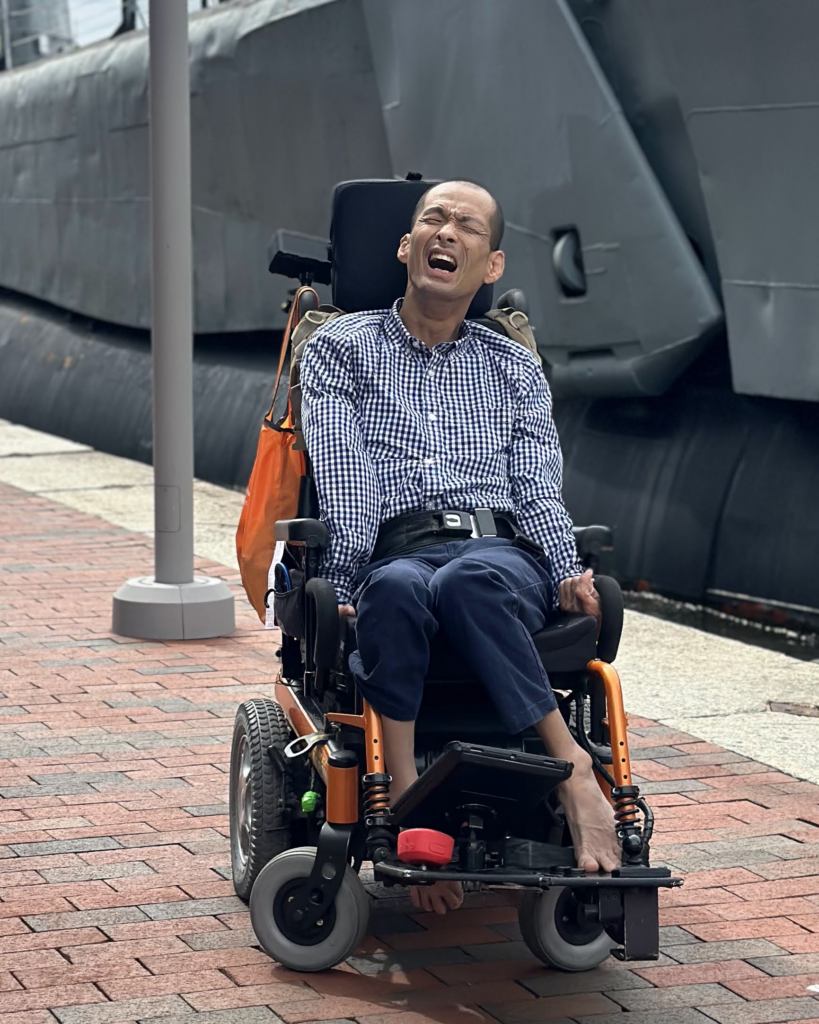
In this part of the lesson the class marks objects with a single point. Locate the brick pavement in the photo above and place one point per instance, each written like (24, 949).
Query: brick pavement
(115, 904)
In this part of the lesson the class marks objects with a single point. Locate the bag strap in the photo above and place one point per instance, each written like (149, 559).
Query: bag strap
(292, 321)
(515, 325)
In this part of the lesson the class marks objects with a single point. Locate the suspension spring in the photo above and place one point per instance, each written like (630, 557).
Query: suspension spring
(381, 835)
(625, 804)
(376, 795)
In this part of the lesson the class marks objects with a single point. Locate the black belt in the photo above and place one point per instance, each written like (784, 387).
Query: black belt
(414, 531)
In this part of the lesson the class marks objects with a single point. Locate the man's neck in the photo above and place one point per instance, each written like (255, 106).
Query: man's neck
(433, 323)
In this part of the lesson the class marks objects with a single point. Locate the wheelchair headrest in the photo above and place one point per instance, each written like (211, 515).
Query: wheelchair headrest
(369, 219)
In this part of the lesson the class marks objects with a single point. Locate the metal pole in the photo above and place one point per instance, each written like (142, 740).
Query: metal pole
(7, 57)
(171, 290)
(173, 604)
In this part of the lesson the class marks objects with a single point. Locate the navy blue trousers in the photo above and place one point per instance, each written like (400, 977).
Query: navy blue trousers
(486, 596)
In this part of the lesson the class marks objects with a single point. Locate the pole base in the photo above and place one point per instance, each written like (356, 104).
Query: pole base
(147, 610)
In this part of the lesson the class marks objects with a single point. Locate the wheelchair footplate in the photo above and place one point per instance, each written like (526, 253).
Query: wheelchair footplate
(487, 798)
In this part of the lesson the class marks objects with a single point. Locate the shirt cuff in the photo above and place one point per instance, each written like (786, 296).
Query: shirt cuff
(343, 587)
(571, 573)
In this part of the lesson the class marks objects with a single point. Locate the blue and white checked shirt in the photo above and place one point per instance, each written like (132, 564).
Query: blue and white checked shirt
(393, 426)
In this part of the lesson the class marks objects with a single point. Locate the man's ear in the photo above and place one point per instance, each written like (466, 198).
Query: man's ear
(403, 249)
(494, 269)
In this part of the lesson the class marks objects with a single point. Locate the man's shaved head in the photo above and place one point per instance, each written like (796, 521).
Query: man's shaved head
(496, 222)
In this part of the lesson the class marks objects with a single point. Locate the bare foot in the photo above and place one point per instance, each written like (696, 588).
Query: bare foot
(440, 896)
(591, 820)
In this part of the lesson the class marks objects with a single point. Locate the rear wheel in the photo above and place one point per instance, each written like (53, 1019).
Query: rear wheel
(328, 942)
(259, 791)
(555, 932)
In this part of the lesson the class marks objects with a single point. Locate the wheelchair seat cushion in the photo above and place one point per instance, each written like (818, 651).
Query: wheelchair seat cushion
(567, 644)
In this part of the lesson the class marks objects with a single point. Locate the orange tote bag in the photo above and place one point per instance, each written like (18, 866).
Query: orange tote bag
(273, 490)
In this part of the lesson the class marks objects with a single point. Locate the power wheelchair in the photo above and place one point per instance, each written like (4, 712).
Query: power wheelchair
(309, 796)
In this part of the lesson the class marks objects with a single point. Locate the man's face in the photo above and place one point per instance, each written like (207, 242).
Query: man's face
(447, 252)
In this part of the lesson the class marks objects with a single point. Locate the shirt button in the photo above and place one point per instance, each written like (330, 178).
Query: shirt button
(433, 417)
(429, 462)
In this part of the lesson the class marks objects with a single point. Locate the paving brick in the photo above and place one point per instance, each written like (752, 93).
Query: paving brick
(782, 966)
(252, 995)
(108, 951)
(73, 974)
(221, 940)
(774, 988)
(245, 1015)
(748, 910)
(28, 1017)
(674, 936)
(89, 872)
(690, 974)
(163, 984)
(551, 1008)
(678, 995)
(679, 1016)
(193, 908)
(603, 979)
(63, 846)
(154, 929)
(730, 950)
(50, 940)
(411, 959)
(132, 1009)
(84, 918)
(453, 935)
(49, 998)
(764, 1011)
(205, 960)
(766, 927)
(30, 958)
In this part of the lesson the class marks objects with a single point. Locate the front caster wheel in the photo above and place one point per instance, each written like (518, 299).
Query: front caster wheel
(555, 932)
(321, 946)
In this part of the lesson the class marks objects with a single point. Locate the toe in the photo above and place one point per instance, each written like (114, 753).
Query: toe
(586, 861)
(454, 897)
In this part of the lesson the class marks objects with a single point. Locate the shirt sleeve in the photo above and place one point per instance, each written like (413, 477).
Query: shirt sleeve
(536, 473)
(347, 486)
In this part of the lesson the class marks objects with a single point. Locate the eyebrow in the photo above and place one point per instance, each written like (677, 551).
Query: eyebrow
(462, 217)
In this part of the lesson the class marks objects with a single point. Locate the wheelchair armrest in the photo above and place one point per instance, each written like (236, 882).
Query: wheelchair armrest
(595, 546)
(310, 532)
(325, 648)
(611, 627)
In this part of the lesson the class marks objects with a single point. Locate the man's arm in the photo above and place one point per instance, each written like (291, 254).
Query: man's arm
(348, 491)
(536, 473)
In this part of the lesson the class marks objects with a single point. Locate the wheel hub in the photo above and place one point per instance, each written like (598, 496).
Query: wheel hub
(243, 800)
(572, 924)
(289, 919)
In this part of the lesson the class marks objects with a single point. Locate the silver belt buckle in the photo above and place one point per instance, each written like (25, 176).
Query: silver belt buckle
(458, 521)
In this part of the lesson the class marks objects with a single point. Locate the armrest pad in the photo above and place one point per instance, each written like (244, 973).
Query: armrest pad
(595, 547)
(593, 538)
(611, 626)
(311, 532)
(328, 625)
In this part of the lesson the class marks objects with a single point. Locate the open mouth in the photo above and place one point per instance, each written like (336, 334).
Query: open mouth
(443, 262)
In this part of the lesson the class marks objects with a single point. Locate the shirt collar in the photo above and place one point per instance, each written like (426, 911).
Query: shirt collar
(396, 331)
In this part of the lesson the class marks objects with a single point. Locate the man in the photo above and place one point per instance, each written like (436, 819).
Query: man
(411, 411)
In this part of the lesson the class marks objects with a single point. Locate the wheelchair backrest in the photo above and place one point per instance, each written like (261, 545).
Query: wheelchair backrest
(369, 220)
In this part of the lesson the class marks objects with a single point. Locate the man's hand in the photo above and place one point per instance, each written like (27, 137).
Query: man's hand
(346, 610)
(578, 594)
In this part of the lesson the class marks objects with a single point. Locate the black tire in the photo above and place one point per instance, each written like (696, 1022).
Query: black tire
(332, 941)
(259, 792)
(549, 928)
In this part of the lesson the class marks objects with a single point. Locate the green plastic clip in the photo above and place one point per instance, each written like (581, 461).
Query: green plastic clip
(309, 801)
